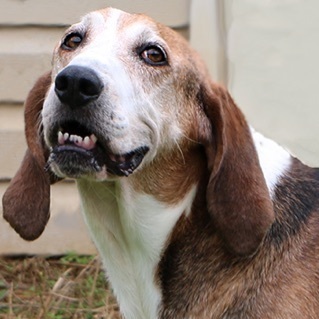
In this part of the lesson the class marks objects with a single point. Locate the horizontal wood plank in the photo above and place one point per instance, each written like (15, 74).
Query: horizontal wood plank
(27, 57)
(60, 12)
(65, 231)
(18, 74)
(12, 146)
(11, 118)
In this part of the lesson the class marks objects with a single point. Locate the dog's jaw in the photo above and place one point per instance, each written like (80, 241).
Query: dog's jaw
(75, 161)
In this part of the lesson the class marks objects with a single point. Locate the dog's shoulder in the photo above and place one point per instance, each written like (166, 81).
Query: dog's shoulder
(296, 202)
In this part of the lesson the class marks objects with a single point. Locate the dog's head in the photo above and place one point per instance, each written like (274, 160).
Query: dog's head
(121, 92)
(124, 90)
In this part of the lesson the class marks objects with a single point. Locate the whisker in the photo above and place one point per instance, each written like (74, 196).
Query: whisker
(181, 151)
(190, 139)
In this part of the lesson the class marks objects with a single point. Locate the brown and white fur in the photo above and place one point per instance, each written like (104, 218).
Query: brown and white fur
(195, 214)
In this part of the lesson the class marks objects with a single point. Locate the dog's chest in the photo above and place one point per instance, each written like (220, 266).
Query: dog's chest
(130, 231)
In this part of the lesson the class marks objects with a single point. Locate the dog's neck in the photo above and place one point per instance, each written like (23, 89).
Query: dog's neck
(131, 221)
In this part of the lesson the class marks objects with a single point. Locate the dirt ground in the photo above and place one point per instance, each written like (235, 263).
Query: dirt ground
(70, 286)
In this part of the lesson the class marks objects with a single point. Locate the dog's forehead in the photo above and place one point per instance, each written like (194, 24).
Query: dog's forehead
(114, 22)
(114, 34)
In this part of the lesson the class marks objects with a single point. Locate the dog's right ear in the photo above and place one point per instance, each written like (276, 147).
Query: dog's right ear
(238, 199)
(26, 202)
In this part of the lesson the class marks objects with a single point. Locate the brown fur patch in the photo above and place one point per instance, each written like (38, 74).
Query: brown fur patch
(172, 174)
(201, 279)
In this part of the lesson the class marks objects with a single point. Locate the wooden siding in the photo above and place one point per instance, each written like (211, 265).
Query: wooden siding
(29, 30)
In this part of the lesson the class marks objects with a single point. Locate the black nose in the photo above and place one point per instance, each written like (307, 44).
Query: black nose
(76, 86)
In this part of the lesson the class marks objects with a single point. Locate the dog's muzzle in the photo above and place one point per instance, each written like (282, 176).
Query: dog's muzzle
(76, 150)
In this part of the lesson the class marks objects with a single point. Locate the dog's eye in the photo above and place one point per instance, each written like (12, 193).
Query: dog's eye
(154, 55)
(72, 41)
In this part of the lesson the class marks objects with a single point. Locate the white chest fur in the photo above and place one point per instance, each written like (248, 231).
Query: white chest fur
(274, 160)
(130, 231)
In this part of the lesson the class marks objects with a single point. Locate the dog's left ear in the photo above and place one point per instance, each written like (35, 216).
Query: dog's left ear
(237, 196)
(26, 201)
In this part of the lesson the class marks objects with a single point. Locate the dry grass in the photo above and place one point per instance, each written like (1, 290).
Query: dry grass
(55, 288)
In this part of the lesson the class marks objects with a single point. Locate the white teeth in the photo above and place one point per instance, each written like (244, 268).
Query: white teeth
(61, 138)
(77, 139)
(87, 142)
(93, 138)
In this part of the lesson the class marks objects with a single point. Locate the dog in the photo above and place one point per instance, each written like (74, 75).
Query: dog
(194, 214)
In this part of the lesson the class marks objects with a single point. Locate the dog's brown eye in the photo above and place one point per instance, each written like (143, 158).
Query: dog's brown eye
(154, 55)
(72, 41)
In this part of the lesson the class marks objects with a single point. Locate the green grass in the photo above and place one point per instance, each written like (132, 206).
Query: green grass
(71, 286)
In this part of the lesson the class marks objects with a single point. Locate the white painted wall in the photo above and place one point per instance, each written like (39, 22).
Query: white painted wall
(271, 64)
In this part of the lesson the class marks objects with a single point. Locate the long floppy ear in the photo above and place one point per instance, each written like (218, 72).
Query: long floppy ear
(26, 202)
(237, 196)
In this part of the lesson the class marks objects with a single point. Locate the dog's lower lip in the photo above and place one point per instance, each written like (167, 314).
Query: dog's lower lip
(127, 163)
(75, 161)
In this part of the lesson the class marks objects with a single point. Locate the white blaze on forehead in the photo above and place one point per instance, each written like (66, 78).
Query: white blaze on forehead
(112, 29)
(95, 25)
(97, 21)
(102, 36)
(102, 54)
(109, 27)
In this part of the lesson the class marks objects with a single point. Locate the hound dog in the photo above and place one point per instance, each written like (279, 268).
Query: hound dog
(194, 214)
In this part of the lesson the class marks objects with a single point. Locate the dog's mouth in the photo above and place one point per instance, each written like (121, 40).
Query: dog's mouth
(77, 151)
